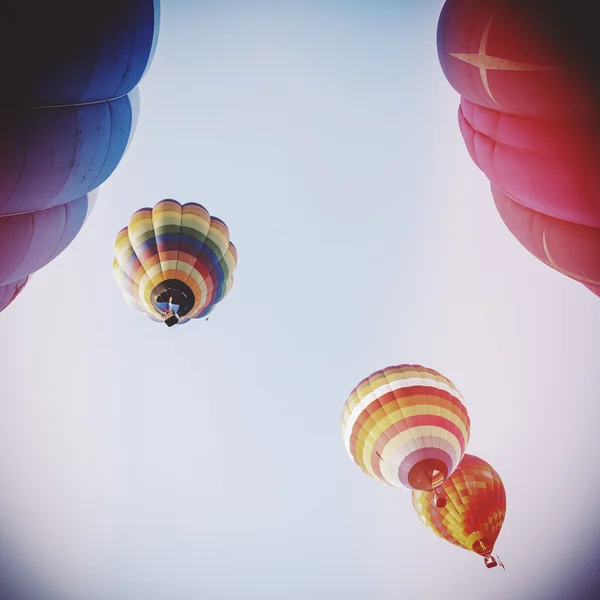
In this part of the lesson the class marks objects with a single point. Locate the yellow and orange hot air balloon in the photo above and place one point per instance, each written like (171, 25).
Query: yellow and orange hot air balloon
(406, 426)
(475, 508)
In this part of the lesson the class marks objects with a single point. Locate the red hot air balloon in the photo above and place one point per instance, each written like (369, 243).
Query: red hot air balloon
(527, 75)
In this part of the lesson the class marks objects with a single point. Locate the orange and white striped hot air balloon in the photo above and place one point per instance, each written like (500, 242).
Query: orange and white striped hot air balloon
(406, 426)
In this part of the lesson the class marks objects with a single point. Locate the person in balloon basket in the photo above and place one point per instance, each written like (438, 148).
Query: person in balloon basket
(169, 309)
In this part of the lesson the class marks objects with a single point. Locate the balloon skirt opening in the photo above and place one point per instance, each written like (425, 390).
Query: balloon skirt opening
(427, 474)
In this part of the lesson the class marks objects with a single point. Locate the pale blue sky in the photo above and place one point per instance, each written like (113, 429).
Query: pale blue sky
(205, 462)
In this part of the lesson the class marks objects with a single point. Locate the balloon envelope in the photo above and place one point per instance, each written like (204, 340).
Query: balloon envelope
(536, 59)
(68, 52)
(406, 426)
(53, 156)
(29, 241)
(547, 166)
(68, 110)
(51, 164)
(569, 248)
(529, 73)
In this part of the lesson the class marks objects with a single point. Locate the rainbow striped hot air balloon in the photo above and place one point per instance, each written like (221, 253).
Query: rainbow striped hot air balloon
(475, 511)
(406, 426)
(174, 262)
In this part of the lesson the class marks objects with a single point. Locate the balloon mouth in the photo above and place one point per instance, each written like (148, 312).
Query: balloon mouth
(483, 547)
(173, 291)
(427, 474)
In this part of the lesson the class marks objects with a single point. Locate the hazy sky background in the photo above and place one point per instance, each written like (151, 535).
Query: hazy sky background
(205, 462)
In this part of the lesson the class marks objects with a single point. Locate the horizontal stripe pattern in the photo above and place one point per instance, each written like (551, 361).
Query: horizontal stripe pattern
(174, 241)
(475, 507)
(401, 416)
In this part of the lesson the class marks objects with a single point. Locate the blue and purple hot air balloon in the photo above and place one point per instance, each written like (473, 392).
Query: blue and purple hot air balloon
(68, 110)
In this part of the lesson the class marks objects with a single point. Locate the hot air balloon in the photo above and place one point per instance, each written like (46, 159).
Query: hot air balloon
(68, 110)
(528, 73)
(174, 262)
(475, 508)
(406, 426)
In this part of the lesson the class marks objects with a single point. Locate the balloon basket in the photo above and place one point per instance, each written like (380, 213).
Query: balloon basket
(171, 320)
(439, 500)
